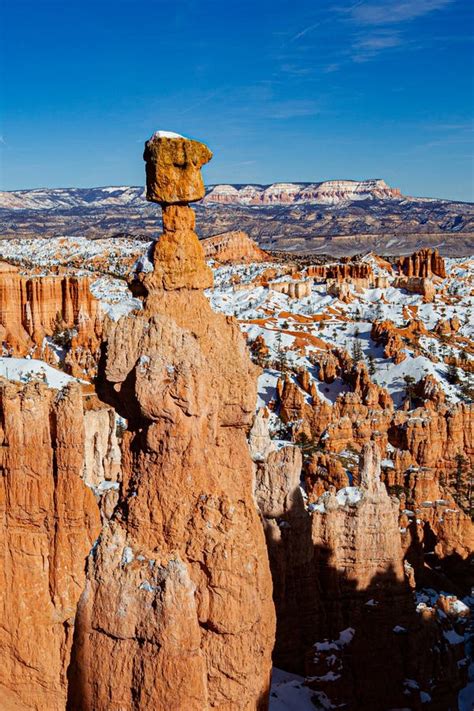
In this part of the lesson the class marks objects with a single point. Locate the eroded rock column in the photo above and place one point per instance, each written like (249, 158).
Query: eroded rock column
(48, 521)
(177, 612)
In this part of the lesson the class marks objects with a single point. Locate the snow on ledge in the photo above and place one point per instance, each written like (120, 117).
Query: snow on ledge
(24, 370)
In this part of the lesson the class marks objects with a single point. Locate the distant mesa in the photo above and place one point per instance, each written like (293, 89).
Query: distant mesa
(328, 192)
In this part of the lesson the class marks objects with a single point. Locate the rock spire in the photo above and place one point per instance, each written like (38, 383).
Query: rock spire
(177, 611)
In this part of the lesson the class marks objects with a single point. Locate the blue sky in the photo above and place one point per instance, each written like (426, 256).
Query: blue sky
(280, 90)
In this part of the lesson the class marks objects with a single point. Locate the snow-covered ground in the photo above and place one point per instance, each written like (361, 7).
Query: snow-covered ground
(115, 297)
(294, 327)
(321, 320)
(288, 693)
(78, 254)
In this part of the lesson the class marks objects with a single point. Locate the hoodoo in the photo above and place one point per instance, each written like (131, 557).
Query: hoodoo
(177, 610)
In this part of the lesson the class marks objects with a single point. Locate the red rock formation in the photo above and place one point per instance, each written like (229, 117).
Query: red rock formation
(49, 521)
(341, 290)
(32, 308)
(447, 327)
(177, 609)
(429, 391)
(233, 247)
(323, 470)
(294, 289)
(424, 263)
(369, 393)
(386, 333)
(417, 285)
(341, 271)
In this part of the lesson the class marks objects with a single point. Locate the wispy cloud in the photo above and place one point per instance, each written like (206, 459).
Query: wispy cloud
(291, 109)
(201, 101)
(371, 27)
(390, 13)
(365, 47)
(385, 22)
(305, 31)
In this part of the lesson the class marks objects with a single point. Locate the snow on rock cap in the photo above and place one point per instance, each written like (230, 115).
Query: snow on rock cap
(166, 134)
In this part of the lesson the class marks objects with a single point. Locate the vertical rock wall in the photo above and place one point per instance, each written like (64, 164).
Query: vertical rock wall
(30, 308)
(49, 520)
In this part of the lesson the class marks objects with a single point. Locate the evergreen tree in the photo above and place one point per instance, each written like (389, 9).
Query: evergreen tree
(452, 374)
(281, 359)
(409, 389)
(371, 364)
(357, 353)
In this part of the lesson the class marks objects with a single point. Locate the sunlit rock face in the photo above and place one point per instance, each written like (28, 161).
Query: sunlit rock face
(35, 312)
(49, 521)
(173, 168)
(233, 248)
(177, 610)
(423, 263)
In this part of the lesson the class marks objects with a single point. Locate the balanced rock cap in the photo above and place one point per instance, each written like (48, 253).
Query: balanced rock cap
(173, 168)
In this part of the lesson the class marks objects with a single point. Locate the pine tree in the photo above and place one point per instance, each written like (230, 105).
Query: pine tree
(357, 353)
(371, 364)
(281, 359)
(452, 374)
(409, 389)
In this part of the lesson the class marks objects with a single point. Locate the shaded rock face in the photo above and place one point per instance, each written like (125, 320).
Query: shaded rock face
(417, 285)
(294, 289)
(49, 520)
(345, 613)
(177, 610)
(340, 271)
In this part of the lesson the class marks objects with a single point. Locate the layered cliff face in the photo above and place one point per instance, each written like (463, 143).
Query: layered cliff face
(177, 609)
(49, 451)
(328, 192)
(233, 247)
(33, 308)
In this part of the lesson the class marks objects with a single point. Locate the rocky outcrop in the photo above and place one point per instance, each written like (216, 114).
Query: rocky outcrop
(260, 443)
(233, 247)
(447, 327)
(176, 612)
(417, 285)
(342, 270)
(295, 289)
(173, 168)
(50, 449)
(423, 263)
(387, 334)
